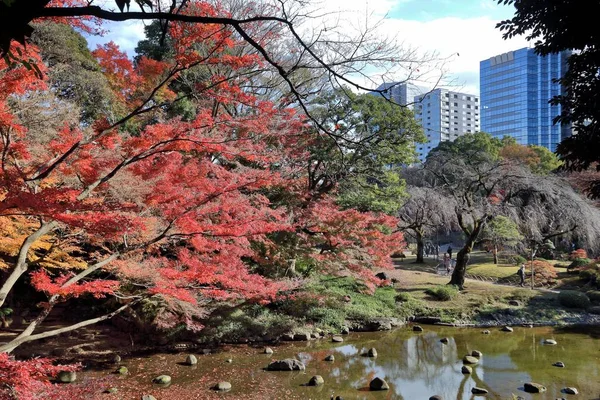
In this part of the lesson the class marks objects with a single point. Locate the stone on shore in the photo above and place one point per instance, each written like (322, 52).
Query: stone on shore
(222, 386)
(191, 360)
(268, 350)
(67, 376)
(337, 339)
(470, 360)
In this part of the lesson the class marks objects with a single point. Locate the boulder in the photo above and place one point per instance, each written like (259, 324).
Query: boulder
(66, 376)
(507, 329)
(347, 299)
(111, 390)
(162, 379)
(288, 337)
(316, 380)
(191, 360)
(427, 320)
(417, 328)
(570, 390)
(337, 339)
(436, 397)
(550, 341)
(531, 387)
(372, 352)
(470, 360)
(478, 390)
(329, 358)
(315, 335)
(288, 364)
(378, 384)
(339, 398)
(122, 370)
(382, 275)
(476, 353)
(116, 359)
(559, 364)
(222, 386)
(444, 340)
(302, 336)
(345, 330)
(148, 397)
(229, 360)
(466, 369)
(268, 350)
(485, 332)
(515, 303)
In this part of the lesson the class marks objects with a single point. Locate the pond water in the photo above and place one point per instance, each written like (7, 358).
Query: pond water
(415, 365)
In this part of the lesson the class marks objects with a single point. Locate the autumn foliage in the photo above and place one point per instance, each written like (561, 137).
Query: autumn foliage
(141, 203)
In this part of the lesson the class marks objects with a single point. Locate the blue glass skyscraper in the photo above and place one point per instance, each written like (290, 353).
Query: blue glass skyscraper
(515, 90)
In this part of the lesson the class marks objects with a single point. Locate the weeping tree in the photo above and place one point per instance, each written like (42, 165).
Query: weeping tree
(485, 184)
(425, 212)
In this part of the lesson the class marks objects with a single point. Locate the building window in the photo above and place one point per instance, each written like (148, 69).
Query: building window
(469, 98)
(456, 96)
(468, 106)
(455, 104)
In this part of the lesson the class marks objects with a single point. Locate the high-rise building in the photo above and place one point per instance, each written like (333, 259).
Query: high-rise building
(515, 90)
(402, 93)
(445, 115)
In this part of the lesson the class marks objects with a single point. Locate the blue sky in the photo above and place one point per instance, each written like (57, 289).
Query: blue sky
(463, 31)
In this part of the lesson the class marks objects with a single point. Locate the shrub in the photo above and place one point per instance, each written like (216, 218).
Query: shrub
(579, 253)
(516, 259)
(591, 274)
(544, 273)
(443, 292)
(594, 295)
(579, 262)
(573, 299)
(404, 297)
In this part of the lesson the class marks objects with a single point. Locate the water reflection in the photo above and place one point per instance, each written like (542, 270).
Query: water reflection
(415, 365)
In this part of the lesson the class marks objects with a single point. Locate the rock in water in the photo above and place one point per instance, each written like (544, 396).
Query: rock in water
(372, 352)
(222, 386)
(559, 364)
(470, 360)
(191, 360)
(531, 387)
(507, 329)
(287, 337)
(378, 384)
(550, 341)
(67, 376)
(476, 353)
(466, 370)
(345, 330)
(162, 379)
(268, 350)
(289, 364)
(316, 380)
(122, 371)
(478, 390)
(444, 340)
(417, 328)
(436, 397)
(337, 339)
(570, 390)
(330, 358)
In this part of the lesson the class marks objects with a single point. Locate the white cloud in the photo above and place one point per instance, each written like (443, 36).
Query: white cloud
(465, 41)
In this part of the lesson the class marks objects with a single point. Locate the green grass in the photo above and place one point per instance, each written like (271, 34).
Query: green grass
(491, 270)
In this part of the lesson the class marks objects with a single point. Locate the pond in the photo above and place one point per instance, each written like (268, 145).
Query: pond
(416, 365)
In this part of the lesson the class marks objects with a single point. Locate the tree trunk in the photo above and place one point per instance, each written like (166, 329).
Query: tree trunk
(463, 255)
(495, 254)
(420, 247)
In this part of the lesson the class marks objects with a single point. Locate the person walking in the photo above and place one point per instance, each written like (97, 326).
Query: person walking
(521, 273)
(447, 263)
(450, 252)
